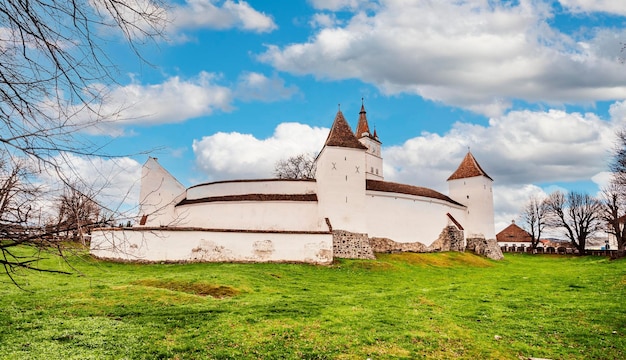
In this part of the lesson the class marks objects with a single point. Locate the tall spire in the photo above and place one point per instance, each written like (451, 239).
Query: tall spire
(362, 128)
(469, 168)
(341, 135)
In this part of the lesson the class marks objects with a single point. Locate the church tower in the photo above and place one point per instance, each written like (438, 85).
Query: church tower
(471, 186)
(373, 157)
(340, 177)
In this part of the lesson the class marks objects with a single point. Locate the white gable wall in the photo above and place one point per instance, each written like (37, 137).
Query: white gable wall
(158, 194)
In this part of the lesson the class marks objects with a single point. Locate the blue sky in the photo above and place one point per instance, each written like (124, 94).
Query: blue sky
(535, 89)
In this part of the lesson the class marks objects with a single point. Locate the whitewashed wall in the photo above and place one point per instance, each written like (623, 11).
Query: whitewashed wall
(253, 215)
(408, 218)
(340, 175)
(227, 188)
(477, 194)
(159, 192)
(178, 245)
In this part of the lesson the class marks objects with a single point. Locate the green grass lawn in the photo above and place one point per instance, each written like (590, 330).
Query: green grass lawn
(405, 306)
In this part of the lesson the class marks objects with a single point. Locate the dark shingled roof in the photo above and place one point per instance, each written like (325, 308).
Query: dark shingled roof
(341, 135)
(469, 168)
(252, 197)
(513, 233)
(391, 187)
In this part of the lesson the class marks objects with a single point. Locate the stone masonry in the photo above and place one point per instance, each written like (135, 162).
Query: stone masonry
(450, 239)
(350, 245)
(488, 248)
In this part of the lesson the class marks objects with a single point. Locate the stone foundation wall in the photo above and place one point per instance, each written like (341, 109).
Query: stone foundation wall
(450, 239)
(485, 247)
(385, 245)
(351, 245)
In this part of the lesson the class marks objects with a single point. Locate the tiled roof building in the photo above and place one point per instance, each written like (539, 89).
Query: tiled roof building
(513, 233)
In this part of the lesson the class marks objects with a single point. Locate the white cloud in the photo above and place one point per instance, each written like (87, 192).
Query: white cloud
(242, 156)
(114, 182)
(139, 18)
(323, 20)
(212, 14)
(585, 6)
(509, 200)
(519, 148)
(335, 5)
(174, 100)
(478, 55)
(256, 86)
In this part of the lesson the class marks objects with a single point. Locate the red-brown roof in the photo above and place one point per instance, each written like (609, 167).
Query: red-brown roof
(341, 135)
(391, 187)
(469, 168)
(513, 233)
(362, 127)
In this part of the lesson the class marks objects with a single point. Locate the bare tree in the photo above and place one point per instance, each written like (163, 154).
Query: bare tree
(78, 213)
(614, 212)
(534, 217)
(20, 219)
(301, 166)
(52, 75)
(618, 159)
(578, 214)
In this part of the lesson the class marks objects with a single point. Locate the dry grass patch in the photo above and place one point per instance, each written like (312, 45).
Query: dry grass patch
(194, 288)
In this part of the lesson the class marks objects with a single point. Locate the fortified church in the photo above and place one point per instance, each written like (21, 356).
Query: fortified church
(348, 210)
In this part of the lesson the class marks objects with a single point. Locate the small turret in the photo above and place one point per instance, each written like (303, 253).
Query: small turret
(471, 186)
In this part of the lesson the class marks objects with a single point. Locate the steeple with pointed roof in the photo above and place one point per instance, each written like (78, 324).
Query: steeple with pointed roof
(469, 168)
(341, 135)
(362, 128)
(373, 157)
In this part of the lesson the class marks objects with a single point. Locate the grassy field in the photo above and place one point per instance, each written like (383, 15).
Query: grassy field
(404, 306)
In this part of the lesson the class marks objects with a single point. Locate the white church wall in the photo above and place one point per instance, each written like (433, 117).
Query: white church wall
(408, 218)
(477, 194)
(373, 159)
(340, 175)
(244, 187)
(253, 215)
(179, 245)
(159, 192)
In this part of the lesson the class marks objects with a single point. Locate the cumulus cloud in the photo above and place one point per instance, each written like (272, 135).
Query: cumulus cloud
(258, 87)
(113, 182)
(242, 156)
(335, 5)
(174, 100)
(586, 6)
(518, 148)
(509, 200)
(218, 15)
(323, 20)
(477, 55)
